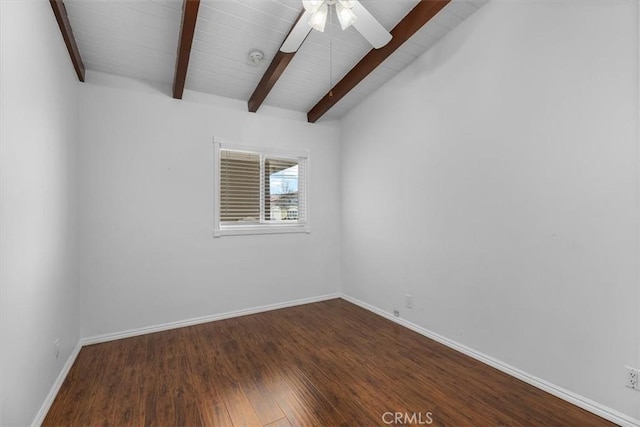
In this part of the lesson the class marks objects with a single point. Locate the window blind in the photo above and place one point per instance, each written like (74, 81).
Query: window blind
(239, 186)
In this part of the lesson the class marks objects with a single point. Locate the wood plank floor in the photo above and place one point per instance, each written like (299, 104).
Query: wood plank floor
(324, 364)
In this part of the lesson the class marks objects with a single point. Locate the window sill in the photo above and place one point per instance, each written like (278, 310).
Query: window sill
(241, 230)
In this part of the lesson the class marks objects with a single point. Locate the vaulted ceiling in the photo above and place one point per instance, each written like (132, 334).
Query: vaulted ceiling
(204, 45)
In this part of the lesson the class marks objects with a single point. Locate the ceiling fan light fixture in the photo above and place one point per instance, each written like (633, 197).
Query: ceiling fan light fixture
(345, 15)
(312, 6)
(347, 3)
(319, 18)
(350, 13)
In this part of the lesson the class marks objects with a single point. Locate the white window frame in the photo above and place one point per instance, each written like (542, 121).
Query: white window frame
(264, 227)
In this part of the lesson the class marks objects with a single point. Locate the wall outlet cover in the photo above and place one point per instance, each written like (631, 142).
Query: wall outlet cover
(633, 378)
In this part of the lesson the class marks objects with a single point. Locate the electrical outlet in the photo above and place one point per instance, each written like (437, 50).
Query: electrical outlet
(633, 378)
(408, 301)
(396, 312)
(56, 347)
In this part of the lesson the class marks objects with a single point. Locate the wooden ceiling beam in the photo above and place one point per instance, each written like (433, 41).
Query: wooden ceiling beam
(412, 22)
(276, 68)
(60, 12)
(187, 30)
(278, 64)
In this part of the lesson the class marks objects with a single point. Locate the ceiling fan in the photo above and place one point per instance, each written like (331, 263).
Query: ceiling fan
(349, 12)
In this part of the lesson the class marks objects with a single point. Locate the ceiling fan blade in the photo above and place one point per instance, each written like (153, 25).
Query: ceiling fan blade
(298, 33)
(369, 26)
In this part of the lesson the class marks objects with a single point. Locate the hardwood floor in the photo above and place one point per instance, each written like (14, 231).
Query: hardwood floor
(325, 364)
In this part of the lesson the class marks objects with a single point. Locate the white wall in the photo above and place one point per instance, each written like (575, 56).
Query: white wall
(38, 142)
(496, 181)
(148, 252)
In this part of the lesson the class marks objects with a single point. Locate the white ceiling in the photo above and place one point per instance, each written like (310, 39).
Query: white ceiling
(139, 39)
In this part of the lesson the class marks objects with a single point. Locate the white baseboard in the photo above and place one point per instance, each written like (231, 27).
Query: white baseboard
(37, 421)
(204, 319)
(571, 397)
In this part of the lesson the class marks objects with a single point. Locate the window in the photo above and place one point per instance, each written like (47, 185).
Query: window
(259, 191)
